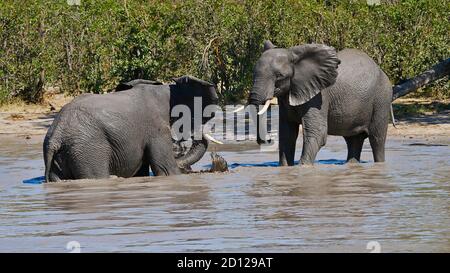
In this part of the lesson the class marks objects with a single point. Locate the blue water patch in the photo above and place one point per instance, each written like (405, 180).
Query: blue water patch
(276, 164)
(36, 180)
(264, 164)
(332, 161)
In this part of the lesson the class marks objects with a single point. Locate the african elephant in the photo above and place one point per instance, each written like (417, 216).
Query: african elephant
(344, 94)
(123, 133)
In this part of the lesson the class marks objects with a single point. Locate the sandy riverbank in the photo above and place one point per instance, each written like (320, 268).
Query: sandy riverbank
(32, 121)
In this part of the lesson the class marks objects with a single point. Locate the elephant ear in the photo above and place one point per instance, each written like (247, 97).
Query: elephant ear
(268, 45)
(315, 68)
(207, 89)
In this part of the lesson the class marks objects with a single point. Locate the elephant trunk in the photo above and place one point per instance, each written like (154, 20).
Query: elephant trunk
(261, 93)
(195, 153)
(261, 130)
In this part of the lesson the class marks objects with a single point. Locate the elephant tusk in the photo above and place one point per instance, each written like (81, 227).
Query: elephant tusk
(239, 109)
(210, 138)
(266, 106)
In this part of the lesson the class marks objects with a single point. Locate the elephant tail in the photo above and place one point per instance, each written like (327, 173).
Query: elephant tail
(52, 149)
(392, 117)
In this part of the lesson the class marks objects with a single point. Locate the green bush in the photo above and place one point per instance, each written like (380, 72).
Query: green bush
(92, 47)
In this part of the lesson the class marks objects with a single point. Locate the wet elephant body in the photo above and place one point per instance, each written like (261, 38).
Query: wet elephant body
(123, 133)
(328, 93)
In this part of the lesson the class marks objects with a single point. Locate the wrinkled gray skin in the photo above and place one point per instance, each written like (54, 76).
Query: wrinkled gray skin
(123, 133)
(344, 94)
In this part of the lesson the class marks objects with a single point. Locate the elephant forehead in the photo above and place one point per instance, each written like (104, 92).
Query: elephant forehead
(273, 58)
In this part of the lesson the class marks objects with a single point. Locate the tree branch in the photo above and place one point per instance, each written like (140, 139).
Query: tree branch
(438, 71)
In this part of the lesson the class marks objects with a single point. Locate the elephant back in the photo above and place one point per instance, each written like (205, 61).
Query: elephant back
(133, 83)
(357, 73)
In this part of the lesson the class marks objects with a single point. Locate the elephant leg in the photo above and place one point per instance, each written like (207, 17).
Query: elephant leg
(377, 143)
(379, 126)
(90, 163)
(315, 131)
(311, 147)
(354, 146)
(288, 136)
(161, 157)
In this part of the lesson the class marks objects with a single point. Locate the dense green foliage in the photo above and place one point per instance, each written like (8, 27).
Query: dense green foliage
(91, 47)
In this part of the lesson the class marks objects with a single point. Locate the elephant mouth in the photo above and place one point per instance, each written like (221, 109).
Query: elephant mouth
(267, 104)
(277, 92)
(267, 101)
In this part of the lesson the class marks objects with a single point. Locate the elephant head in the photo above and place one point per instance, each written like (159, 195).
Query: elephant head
(184, 92)
(300, 72)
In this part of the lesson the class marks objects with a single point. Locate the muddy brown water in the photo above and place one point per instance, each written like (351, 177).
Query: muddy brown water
(402, 204)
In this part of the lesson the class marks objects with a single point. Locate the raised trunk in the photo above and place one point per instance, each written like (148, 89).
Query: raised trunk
(195, 153)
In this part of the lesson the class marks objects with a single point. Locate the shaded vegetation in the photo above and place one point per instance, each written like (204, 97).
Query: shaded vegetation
(92, 47)
(415, 108)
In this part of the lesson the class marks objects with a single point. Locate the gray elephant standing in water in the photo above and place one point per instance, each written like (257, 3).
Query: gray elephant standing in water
(344, 94)
(123, 133)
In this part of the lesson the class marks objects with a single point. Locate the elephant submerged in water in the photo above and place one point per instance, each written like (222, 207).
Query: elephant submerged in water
(329, 93)
(124, 133)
